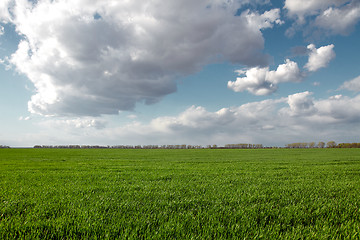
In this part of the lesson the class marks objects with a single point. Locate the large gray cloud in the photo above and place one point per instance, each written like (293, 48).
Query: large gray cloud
(94, 57)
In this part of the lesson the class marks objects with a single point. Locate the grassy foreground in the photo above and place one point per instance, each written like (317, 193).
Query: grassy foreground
(179, 194)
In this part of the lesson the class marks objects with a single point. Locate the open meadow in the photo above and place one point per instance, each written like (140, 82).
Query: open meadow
(179, 194)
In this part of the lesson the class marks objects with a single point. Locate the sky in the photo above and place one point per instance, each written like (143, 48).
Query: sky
(105, 72)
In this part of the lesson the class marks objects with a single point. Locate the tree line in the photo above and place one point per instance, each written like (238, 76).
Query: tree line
(348, 145)
(243, 146)
(330, 144)
(177, 146)
(182, 146)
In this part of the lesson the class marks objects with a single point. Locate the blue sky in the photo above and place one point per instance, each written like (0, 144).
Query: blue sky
(179, 72)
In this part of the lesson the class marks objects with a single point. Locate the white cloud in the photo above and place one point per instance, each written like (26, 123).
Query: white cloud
(319, 57)
(331, 16)
(132, 116)
(75, 123)
(352, 85)
(261, 81)
(265, 20)
(254, 81)
(298, 117)
(98, 57)
(1, 30)
(301, 104)
(4, 10)
(303, 8)
(340, 109)
(24, 118)
(339, 20)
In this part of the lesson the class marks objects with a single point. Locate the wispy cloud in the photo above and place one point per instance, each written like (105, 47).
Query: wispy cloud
(352, 85)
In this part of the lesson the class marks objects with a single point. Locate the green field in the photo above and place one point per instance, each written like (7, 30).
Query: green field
(180, 194)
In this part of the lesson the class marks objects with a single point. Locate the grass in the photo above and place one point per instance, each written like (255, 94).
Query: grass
(179, 194)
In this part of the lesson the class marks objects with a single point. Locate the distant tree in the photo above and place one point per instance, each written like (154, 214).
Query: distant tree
(304, 145)
(312, 144)
(331, 144)
(321, 145)
(348, 145)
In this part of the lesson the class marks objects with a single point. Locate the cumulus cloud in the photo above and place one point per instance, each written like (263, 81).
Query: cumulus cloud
(265, 20)
(339, 20)
(331, 16)
(340, 109)
(298, 117)
(299, 109)
(98, 57)
(255, 81)
(300, 104)
(262, 81)
(301, 8)
(352, 85)
(319, 57)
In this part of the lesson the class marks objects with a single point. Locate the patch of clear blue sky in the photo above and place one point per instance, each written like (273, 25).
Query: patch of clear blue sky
(15, 89)
(344, 67)
(207, 88)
